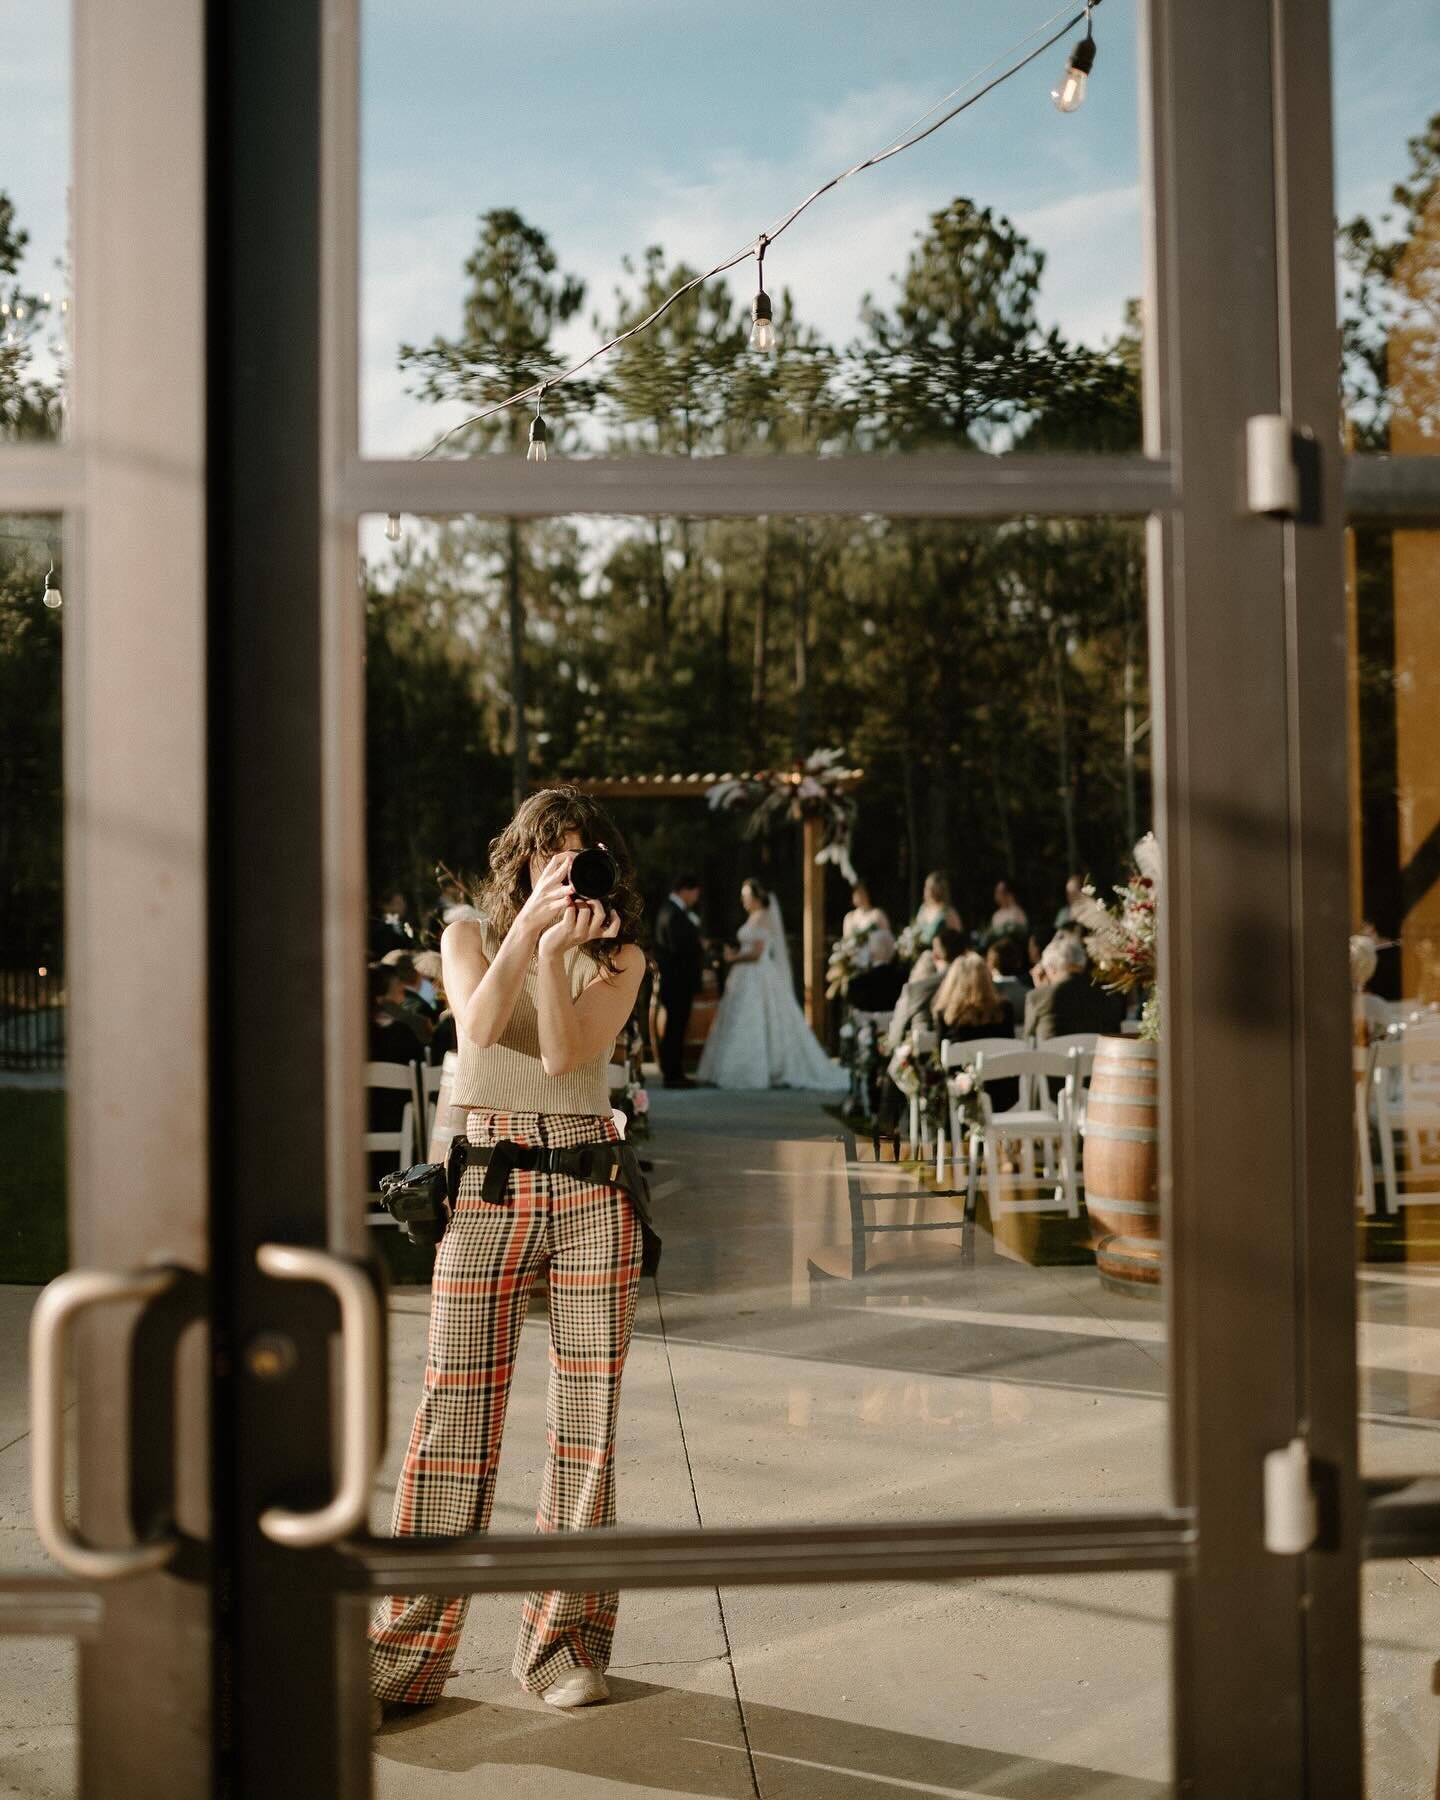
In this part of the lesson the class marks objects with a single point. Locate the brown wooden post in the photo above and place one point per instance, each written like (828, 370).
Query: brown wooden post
(814, 948)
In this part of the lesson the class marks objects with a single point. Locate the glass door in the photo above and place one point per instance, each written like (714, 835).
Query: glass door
(850, 1383)
(104, 1589)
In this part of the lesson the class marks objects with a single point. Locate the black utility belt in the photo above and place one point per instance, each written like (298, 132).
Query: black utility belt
(421, 1199)
(603, 1162)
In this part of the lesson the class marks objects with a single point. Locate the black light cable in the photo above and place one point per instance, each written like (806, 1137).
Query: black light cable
(762, 332)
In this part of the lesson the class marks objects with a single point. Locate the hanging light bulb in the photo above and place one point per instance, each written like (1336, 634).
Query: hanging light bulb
(762, 326)
(1069, 93)
(392, 527)
(539, 447)
(52, 595)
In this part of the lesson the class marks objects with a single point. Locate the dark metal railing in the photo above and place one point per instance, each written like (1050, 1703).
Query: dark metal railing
(32, 1016)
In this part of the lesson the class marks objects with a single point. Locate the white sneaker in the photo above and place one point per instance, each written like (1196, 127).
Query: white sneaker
(580, 1687)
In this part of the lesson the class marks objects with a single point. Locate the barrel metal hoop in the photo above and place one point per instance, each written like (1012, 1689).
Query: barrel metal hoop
(1128, 1134)
(1147, 1208)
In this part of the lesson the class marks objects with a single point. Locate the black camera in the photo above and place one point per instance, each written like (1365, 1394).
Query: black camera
(593, 874)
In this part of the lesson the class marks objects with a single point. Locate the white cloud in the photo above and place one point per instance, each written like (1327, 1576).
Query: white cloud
(852, 241)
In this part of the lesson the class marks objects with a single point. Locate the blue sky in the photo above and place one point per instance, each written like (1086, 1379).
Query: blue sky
(613, 124)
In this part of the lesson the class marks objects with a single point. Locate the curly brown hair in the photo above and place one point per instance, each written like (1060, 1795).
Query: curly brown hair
(540, 828)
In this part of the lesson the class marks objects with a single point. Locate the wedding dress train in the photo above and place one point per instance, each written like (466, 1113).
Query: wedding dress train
(760, 1038)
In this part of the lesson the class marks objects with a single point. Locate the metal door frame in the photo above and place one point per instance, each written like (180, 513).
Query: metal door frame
(1266, 1664)
(128, 481)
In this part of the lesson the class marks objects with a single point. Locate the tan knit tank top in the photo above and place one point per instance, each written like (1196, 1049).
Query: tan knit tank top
(509, 1076)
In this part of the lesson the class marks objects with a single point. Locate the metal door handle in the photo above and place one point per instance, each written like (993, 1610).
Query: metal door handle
(359, 1401)
(58, 1306)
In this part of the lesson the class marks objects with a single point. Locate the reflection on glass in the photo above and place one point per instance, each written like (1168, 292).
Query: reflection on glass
(1395, 972)
(1398, 1621)
(34, 224)
(977, 292)
(40, 1740)
(862, 769)
(37, 1675)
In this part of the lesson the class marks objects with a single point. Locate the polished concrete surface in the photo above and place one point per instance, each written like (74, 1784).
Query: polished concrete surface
(966, 1379)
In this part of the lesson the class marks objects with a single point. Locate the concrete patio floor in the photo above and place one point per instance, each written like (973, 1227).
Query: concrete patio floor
(753, 1395)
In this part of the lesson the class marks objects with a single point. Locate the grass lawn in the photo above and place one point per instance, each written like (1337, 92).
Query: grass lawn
(34, 1238)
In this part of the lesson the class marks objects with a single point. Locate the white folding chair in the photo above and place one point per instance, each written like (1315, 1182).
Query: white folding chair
(431, 1076)
(1045, 1127)
(1364, 1068)
(1406, 1092)
(394, 1078)
(924, 1041)
(1082, 1045)
(955, 1057)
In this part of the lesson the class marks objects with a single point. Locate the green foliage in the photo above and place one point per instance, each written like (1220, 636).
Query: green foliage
(1391, 327)
(976, 672)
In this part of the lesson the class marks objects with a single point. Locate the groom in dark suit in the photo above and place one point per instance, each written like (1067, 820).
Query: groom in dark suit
(681, 956)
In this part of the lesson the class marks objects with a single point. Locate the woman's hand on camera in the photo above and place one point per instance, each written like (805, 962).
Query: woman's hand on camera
(550, 898)
(582, 922)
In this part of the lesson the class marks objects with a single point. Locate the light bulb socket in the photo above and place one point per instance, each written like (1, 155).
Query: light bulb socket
(539, 432)
(760, 308)
(1082, 57)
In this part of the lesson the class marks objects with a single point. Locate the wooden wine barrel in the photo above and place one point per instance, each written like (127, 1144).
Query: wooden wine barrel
(1122, 1148)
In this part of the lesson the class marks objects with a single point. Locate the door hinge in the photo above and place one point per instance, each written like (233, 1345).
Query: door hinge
(1291, 1515)
(1281, 473)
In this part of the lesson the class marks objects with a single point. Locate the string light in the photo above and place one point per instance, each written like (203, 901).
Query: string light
(52, 595)
(1069, 93)
(762, 332)
(762, 328)
(538, 448)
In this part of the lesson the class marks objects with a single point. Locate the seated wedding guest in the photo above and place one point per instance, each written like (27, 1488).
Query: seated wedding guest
(421, 1007)
(917, 996)
(395, 1034)
(935, 912)
(1068, 1000)
(967, 1007)
(1006, 964)
(914, 1007)
(445, 1036)
(1008, 915)
(1074, 888)
(390, 929)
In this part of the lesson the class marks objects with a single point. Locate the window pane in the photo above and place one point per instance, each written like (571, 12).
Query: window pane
(828, 1337)
(34, 220)
(1019, 1686)
(1387, 137)
(1395, 965)
(980, 290)
(37, 1675)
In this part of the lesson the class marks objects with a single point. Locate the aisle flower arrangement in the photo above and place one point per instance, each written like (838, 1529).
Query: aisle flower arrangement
(848, 956)
(1120, 935)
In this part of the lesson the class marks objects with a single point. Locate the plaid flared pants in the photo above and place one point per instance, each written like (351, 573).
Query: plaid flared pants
(484, 1269)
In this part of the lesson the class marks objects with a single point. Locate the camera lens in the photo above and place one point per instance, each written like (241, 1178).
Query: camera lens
(593, 874)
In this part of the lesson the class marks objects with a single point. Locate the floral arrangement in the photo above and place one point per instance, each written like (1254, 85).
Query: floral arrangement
(1120, 937)
(812, 789)
(908, 945)
(848, 956)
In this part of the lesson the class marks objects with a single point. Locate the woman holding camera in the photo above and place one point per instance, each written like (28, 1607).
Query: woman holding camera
(540, 984)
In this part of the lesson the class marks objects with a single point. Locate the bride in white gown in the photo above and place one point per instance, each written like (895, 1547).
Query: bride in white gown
(760, 1038)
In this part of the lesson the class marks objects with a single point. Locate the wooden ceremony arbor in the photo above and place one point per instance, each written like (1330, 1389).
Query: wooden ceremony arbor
(697, 787)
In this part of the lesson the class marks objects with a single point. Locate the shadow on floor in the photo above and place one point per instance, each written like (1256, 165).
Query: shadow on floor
(670, 1740)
